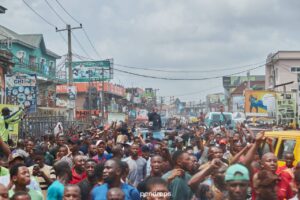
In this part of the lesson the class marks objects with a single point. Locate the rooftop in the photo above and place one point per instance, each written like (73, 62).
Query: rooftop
(32, 41)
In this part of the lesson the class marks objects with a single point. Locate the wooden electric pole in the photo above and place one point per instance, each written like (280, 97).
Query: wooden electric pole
(70, 72)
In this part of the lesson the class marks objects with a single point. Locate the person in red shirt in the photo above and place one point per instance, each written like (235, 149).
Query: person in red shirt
(78, 171)
(289, 159)
(269, 163)
(284, 190)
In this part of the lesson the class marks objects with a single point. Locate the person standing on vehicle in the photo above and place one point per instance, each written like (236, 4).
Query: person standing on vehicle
(154, 120)
(155, 124)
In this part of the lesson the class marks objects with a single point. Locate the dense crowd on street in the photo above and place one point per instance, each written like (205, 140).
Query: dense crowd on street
(118, 162)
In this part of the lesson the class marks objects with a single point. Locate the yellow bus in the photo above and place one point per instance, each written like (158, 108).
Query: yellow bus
(283, 142)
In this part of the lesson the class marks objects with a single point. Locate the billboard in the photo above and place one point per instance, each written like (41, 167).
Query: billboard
(84, 87)
(238, 104)
(260, 103)
(116, 117)
(85, 71)
(13, 128)
(286, 108)
(234, 81)
(216, 98)
(21, 90)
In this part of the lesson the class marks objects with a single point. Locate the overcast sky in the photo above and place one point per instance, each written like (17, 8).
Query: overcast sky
(169, 35)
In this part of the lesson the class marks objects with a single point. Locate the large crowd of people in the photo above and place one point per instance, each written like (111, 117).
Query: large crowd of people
(117, 163)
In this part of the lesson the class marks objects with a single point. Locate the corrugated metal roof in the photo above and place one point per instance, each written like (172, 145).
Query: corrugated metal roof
(29, 40)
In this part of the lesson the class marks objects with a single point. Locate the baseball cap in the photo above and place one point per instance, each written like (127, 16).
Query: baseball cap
(100, 142)
(74, 140)
(237, 172)
(223, 141)
(6, 109)
(14, 156)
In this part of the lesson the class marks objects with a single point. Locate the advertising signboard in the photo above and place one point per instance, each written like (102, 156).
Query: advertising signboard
(116, 117)
(260, 103)
(234, 81)
(21, 90)
(286, 108)
(85, 71)
(238, 104)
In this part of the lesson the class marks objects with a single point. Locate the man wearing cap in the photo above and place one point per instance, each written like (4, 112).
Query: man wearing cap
(226, 153)
(101, 157)
(6, 119)
(14, 159)
(237, 182)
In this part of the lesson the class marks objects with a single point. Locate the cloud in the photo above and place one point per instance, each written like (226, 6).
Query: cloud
(171, 34)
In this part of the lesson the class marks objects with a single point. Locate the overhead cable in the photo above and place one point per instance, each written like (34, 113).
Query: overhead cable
(49, 5)
(185, 79)
(67, 12)
(49, 23)
(84, 31)
(80, 45)
(186, 71)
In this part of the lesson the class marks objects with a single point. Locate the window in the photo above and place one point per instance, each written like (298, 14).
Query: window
(21, 55)
(32, 60)
(286, 146)
(42, 61)
(295, 69)
(51, 64)
(266, 148)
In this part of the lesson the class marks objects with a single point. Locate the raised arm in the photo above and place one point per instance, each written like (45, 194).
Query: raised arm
(201, 175)
(249, 157)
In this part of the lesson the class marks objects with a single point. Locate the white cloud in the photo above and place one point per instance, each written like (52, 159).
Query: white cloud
(175, 34)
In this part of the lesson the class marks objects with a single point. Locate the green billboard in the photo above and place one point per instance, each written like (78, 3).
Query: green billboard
(86, 71)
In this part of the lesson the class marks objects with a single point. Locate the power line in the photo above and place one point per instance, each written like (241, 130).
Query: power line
(67, 12)
(193, 93)
(49, 23)
(64, 39)
(49, 5)
(80, 45)
(185, 79)
(82, 57)
(87, 36)
(84, 31)
(186, 71)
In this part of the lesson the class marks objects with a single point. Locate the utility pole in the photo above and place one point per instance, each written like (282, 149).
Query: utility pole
(70, 78)
(102, 96)
(161, 103)
(248, 78)
(155, 97)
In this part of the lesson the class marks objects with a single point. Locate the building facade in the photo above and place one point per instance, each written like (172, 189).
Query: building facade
(281, 68)
(30, 56)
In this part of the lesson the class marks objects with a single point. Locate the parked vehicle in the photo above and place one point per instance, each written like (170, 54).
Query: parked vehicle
(283, 142)
(216, 119)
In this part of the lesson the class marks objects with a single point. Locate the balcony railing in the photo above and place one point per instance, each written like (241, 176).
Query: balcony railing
(41, 70)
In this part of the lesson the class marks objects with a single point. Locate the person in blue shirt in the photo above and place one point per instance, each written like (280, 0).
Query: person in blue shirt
(64, 174)
(112, 176)
(101, 157)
